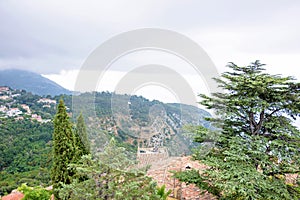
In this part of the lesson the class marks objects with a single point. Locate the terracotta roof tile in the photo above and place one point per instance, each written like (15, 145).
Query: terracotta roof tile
(15, 195)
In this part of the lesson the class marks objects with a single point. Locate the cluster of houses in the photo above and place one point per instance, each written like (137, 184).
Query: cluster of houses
(8, 107)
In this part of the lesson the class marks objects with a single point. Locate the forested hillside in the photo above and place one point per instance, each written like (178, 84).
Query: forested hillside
(26, 130)
(88, 142)
(25, 153)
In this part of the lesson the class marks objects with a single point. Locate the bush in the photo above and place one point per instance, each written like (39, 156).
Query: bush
(34, 193)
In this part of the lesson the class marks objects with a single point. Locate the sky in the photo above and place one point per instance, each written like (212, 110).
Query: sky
(54, 38)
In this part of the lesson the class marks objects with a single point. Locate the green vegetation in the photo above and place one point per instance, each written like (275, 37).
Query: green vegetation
(34, 193)
(110, 176)
(256, 143)
(81, 139)
(162, 193)
(64, 149)
(25, 151)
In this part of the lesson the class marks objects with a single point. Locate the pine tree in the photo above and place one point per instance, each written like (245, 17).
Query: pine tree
(81, 139)
(257, 144)
(63, 149)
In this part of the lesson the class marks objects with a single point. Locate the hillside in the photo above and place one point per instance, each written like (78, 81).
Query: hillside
(135, 119)
(26, 129)
(31, 82)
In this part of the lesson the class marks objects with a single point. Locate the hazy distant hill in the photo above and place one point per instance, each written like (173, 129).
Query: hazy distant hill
(31, 82)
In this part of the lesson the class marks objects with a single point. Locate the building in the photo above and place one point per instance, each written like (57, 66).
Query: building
(4, 89)
(26, 107)
(4, 97)
(36, 117)
(15, 95)
(46, 101)
(13, 112)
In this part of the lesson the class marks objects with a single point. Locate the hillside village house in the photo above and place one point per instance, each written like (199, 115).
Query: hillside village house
(13, 112)
(15, 95)
(36, 117)
(4, 89)
(46, 101)
(4, 97)
(26, 107)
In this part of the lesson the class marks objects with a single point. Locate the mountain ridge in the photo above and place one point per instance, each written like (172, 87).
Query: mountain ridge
(31, 82)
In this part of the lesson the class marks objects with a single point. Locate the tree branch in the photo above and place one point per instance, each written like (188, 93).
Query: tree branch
(260, 123)
(272, 113)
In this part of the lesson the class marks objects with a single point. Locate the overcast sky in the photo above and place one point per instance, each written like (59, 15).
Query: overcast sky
(54, 38)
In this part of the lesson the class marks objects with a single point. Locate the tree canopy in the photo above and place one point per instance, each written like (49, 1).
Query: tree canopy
(256, 144)
(81, 138)
(63, 149)
(110, 176)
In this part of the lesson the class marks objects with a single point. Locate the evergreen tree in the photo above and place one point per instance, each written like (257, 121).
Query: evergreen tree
(110, 176)
(63, 149)
(257, 144)
(81, 139)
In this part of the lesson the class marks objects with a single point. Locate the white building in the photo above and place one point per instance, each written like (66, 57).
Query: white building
(13, 112)
(47, 101)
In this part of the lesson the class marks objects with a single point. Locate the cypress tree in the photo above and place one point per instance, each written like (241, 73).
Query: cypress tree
(63, 149)
(81, 139)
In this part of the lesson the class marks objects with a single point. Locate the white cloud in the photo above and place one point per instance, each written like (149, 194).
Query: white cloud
(55, 37)
(65, 78)
(152, 90)
(242, 46)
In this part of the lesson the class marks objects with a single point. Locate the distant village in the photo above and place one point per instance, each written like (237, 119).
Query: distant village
(9, 108)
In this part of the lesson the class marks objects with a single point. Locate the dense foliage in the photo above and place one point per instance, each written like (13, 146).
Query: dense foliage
(25, 149)
(110, 176)
(64, 149)
(34, 193)
(25, 153)
(256, 146)
(82, 142)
